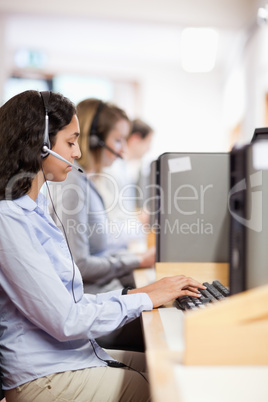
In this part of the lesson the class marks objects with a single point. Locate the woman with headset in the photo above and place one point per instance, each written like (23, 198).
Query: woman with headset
(48, 324)
(104, 264)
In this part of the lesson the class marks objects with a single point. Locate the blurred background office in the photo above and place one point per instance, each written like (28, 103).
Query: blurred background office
(197, 71)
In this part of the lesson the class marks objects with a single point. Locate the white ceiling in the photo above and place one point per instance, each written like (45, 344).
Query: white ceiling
(126, 27)
(137, 40)
(229, 14)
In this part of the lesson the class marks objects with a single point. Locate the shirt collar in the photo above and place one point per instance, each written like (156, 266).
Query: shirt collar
(27, 203)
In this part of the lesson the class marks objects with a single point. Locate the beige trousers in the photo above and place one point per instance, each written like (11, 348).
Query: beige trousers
(97, 384)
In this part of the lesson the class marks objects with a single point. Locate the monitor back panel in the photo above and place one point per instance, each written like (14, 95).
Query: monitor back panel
(257, 238)
(249, 217)
(152, 204)
(193, 216)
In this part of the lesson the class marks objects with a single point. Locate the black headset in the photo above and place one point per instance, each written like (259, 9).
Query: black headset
(45, 95)
(95, 140)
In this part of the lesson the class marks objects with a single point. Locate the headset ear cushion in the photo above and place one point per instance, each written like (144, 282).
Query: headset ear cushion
(94, 136)
(94, 141)
(44, 152)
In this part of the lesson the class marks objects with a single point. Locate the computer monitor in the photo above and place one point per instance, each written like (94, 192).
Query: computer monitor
(152, 202)
(193, 215)
(260, 134)
(249, 216)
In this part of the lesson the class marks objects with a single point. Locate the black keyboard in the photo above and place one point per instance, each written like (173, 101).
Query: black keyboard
(214, 292)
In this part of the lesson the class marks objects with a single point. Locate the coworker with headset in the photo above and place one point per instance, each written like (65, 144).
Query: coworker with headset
(129, 176)
(104, 264)
(48, 324)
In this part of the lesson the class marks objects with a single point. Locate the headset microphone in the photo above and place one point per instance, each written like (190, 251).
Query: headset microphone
(47, 150)
(95, 142)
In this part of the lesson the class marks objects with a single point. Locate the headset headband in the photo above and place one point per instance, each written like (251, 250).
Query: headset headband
(45, 95)
(95, 121)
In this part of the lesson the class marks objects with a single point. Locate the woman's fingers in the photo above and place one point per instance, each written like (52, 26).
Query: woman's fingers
(169, 288)
(187, 282)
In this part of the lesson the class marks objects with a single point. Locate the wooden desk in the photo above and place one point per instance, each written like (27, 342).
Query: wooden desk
(172, 381)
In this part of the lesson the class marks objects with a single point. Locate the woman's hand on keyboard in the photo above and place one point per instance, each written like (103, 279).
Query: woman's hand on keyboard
(168, 289)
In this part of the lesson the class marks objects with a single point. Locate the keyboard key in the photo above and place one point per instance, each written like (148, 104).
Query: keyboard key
(207, 294)
(211, 289)
(221, 288)
(186, 303)
(204, 300)
(197, 302)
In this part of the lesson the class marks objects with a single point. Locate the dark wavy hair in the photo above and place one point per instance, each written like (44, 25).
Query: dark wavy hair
(22, 124)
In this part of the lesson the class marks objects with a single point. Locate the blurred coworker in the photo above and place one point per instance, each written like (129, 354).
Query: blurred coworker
(103, 131)
(127, 181)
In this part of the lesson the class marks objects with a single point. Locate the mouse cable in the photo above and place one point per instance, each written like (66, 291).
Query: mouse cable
(116, 364)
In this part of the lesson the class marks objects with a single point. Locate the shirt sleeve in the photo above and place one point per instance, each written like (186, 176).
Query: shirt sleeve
(32, 285)
(71, 201)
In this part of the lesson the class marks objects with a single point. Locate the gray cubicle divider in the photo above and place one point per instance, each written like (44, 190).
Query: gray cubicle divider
(192, 216)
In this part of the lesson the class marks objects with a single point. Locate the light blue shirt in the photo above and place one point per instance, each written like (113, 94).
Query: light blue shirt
(42, 329)
(82, 212)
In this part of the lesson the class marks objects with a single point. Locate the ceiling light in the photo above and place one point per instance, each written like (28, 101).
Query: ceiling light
(262, 15)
